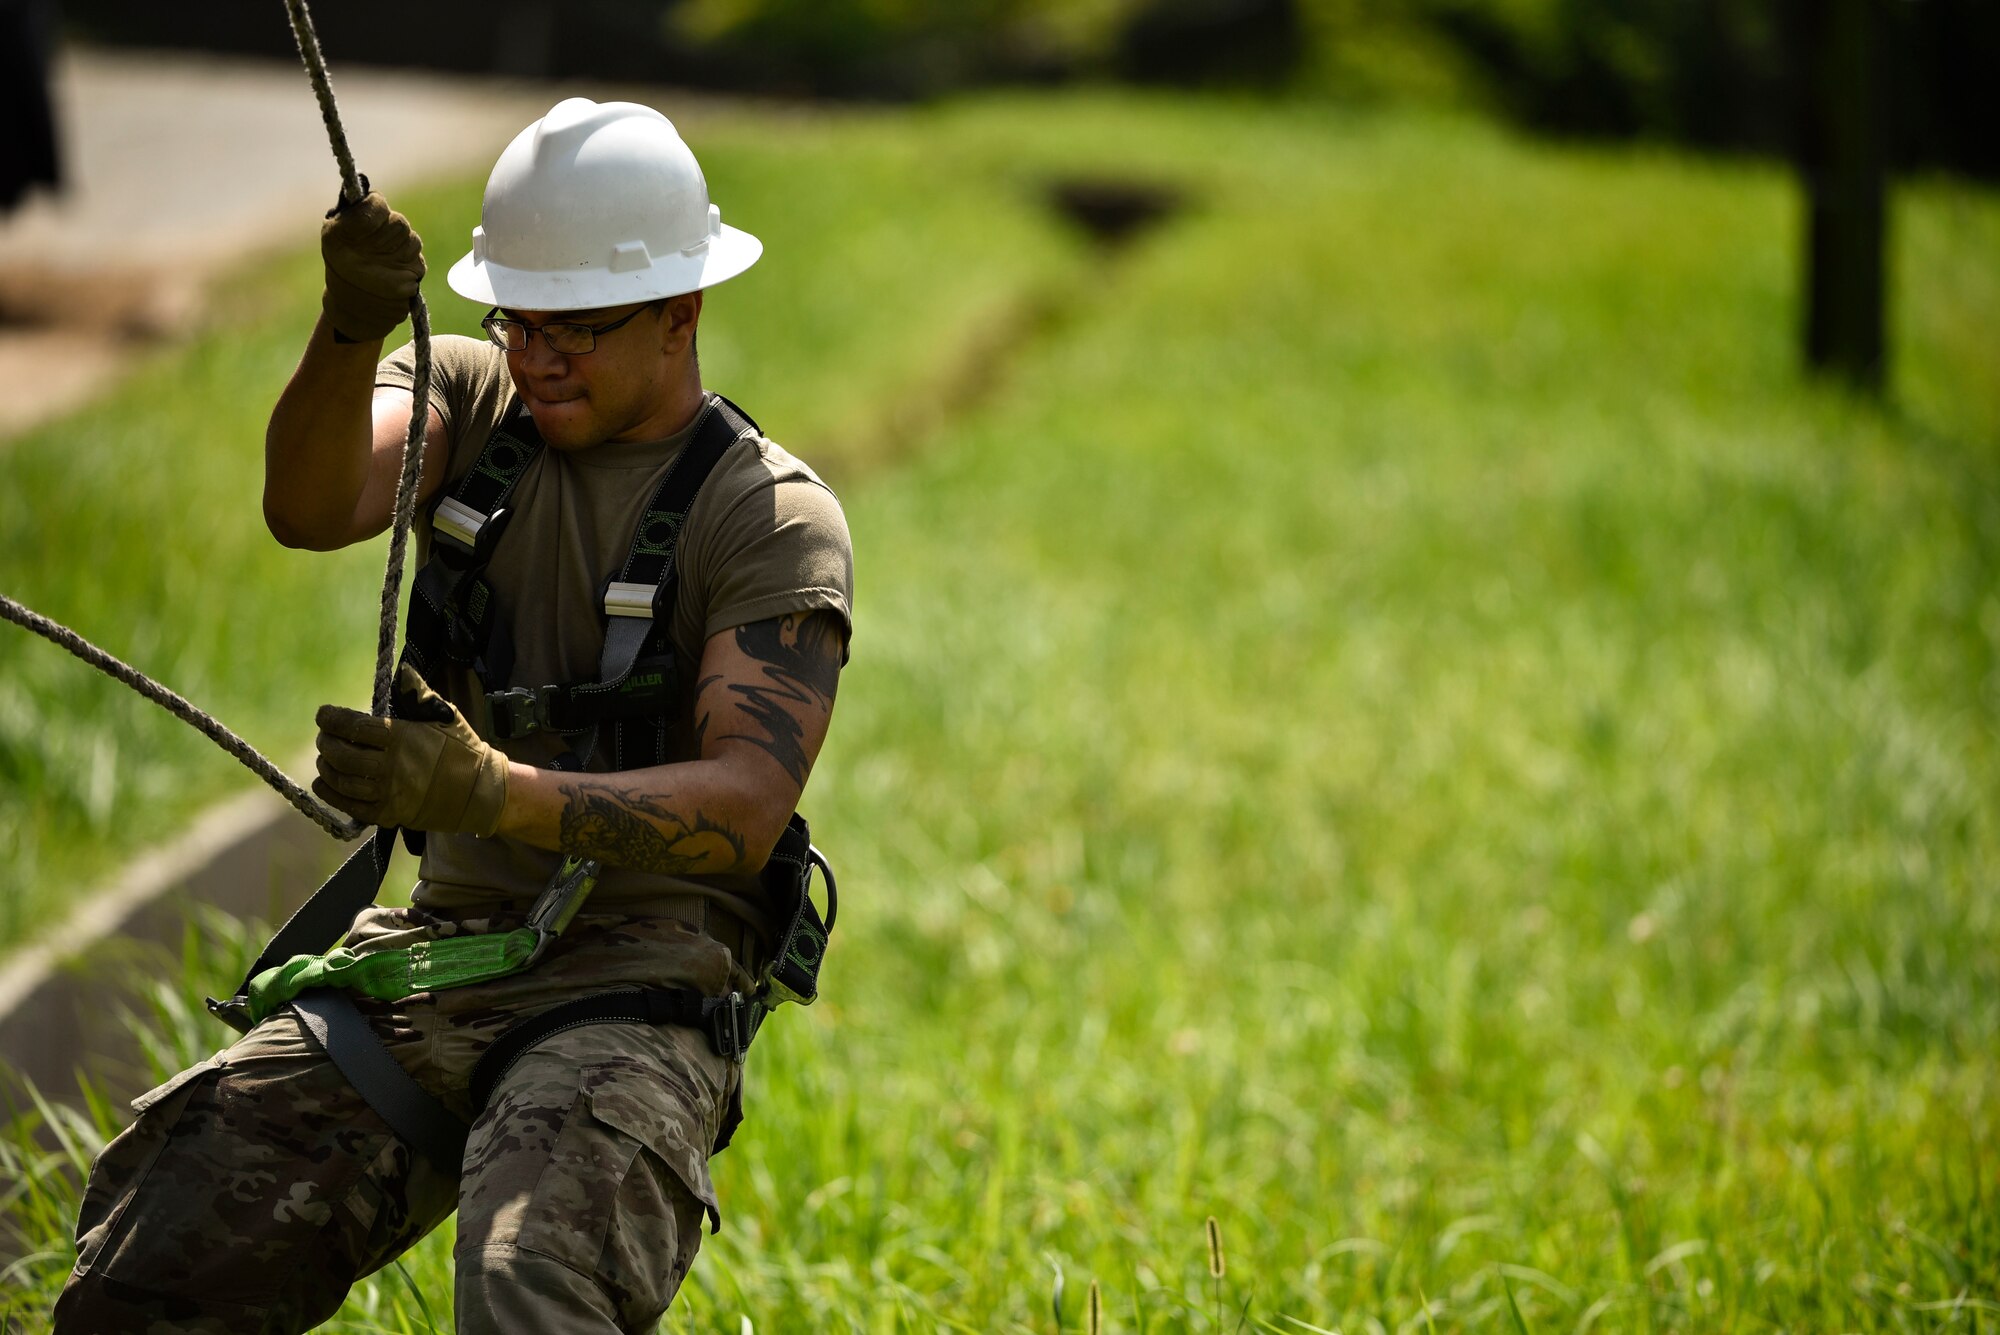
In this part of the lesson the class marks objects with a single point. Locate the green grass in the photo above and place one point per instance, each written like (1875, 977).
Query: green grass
(1404, 726)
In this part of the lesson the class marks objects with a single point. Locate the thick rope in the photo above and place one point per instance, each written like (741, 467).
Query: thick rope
(333, 822)
(308, 42)
(420, 328)
(406, 506)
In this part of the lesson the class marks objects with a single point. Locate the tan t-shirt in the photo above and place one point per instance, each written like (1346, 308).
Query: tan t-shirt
(765, 537)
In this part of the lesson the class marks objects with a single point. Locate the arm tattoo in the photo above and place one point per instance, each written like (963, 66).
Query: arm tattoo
(700, 732)
(643, 832)
(800, 659)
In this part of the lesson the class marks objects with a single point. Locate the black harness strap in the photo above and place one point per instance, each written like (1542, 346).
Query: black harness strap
(730, 1023)
(424, 1124)
(451, 616)
(322, 919)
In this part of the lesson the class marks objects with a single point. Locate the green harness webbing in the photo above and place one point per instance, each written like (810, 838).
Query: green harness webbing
(430, 966)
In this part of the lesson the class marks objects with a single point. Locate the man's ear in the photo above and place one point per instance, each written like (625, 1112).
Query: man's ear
(678, 321)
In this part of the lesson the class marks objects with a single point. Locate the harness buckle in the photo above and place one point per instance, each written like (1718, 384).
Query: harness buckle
(519, 711)
(622, 599)
(235, 1012)
(459, 522)
(732, 1022)
(465, 536)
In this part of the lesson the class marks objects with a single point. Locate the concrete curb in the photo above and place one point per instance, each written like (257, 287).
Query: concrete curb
(61, 995)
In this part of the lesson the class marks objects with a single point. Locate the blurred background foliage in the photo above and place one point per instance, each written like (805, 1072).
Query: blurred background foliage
(1717, 74)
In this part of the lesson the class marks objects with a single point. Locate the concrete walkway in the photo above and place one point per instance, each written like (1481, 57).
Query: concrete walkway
(180, 165)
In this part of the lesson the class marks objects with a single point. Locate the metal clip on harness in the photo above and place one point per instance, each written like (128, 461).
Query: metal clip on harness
(731, 1022)
(557, 907)
(520, 711)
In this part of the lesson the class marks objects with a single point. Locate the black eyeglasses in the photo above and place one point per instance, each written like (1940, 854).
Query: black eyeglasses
(563, 336)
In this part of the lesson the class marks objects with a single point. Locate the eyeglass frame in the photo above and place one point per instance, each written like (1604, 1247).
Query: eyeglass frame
(493, 318)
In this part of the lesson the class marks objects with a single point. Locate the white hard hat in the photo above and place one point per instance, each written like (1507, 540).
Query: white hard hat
(597, 204)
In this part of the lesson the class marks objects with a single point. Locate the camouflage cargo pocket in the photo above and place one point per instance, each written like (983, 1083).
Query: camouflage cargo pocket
(579, 1177)
(229, 1203)
(121, 1168)
(627, 1152)
(666, 1116)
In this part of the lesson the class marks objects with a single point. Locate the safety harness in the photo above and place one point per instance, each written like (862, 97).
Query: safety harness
(453, 611)
(453, 622)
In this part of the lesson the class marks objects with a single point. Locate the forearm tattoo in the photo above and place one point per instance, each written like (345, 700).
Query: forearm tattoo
(643, 832)
(799, 657)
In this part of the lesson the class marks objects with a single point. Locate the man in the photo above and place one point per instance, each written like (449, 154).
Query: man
(253, 1189)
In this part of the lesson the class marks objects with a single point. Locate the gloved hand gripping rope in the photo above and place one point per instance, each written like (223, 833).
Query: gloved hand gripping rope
(357, 309)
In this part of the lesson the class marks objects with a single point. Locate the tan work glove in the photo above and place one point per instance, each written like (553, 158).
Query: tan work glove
(374, 262)
(425, 770)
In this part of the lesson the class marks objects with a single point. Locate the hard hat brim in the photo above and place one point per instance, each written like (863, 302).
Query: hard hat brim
(727, 254)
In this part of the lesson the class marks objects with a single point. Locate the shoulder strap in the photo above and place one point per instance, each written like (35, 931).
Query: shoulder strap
(451, 609)
(655, 545)
(653, 563)
(511, 446)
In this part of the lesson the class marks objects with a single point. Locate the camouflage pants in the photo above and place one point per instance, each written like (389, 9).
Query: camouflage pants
(254, 1188)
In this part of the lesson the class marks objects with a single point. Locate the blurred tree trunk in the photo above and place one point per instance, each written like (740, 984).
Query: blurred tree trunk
(1842, 154)
(28, 156)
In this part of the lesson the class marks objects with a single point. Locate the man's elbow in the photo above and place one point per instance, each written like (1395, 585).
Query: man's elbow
(747, 797)
(291, 530)
(760, 818)
(297, 521)
(282, 527)
(756, 838)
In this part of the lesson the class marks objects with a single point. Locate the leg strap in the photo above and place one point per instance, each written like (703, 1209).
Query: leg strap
(426, 1125)
(730, 1023)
